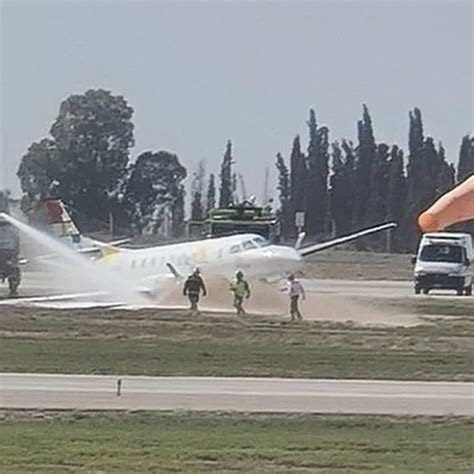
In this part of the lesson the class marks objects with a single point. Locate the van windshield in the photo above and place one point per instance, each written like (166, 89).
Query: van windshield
(442, 253)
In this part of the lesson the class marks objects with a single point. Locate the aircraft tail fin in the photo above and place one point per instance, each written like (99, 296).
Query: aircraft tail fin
(62, 225)
(64, 228)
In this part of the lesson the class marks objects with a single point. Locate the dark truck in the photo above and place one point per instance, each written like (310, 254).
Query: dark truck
(9, 256)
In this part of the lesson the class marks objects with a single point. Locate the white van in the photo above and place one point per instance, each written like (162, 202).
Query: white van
(443, 262)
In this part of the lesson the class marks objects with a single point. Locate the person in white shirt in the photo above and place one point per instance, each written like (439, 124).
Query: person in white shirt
(295, 290)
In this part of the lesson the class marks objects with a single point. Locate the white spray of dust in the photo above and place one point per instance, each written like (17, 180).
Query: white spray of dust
(74, 272)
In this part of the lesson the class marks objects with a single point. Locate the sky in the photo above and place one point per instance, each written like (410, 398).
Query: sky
(202, 72)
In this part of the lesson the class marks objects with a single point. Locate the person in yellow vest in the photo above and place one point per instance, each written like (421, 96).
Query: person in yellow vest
(241, 289)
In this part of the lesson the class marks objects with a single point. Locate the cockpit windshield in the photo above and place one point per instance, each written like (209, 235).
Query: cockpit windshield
(260, 242)
(249, 245)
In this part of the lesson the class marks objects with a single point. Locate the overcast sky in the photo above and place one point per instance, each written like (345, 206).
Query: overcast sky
(198, 73)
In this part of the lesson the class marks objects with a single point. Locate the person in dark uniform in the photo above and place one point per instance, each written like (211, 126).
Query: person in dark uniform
(193, 287)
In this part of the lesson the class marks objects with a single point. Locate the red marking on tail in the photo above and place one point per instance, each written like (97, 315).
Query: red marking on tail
(55, 211)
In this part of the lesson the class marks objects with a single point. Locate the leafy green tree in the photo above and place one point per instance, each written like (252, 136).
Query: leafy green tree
(466, 158)
(85, 162)
(93, 133)
(211, 194)
(40, 170)
(4, 197)
(154, 192)
(226, 176)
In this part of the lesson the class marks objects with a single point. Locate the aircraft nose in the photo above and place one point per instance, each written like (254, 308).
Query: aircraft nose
(287, 257)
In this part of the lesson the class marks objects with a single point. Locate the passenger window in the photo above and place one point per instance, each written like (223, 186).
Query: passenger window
(235, 249)
(260, 242)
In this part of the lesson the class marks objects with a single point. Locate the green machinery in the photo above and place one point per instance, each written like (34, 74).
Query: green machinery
(241, 219)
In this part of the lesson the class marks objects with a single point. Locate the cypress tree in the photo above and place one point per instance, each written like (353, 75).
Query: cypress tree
(377, 209)
(342, 187)
(284, 189)
(417, 181)
(298, 179)
(211, 193)
(466, 158)
(428, 176)
(197, 211)
(226, 186)
(177, 215)
(197, 192)
(365, 153)
(317, 184)
(396, 195)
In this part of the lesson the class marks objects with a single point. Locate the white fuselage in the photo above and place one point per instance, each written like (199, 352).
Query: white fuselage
(221, 256)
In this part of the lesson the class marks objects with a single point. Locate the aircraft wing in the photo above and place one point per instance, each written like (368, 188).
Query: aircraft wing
(91, 251)
(310, 249)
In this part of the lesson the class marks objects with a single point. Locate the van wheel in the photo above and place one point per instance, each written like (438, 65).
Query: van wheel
(468, 290)
(426, 291)
(460, 291)
(417, 290)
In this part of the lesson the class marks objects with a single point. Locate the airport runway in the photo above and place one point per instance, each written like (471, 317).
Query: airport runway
(38, 282)
(43, 391)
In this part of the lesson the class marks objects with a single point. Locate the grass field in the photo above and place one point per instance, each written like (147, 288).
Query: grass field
(148, 342)
(202, 442)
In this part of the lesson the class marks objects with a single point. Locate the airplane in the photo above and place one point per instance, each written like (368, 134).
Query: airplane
(221, 256)
(63, 227)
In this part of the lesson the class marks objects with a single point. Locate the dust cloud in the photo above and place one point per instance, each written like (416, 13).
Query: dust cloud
(268, 300)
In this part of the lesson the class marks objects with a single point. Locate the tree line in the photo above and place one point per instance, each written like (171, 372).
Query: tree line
(343, 187)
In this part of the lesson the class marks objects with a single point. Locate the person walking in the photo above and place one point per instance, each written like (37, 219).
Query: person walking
(193, 287)
(241, 289)
(295, 290)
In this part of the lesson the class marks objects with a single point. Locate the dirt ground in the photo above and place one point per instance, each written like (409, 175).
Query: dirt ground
(268, 299)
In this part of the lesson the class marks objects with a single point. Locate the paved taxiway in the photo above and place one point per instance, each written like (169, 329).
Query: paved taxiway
(46, 391)
(39, 283)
